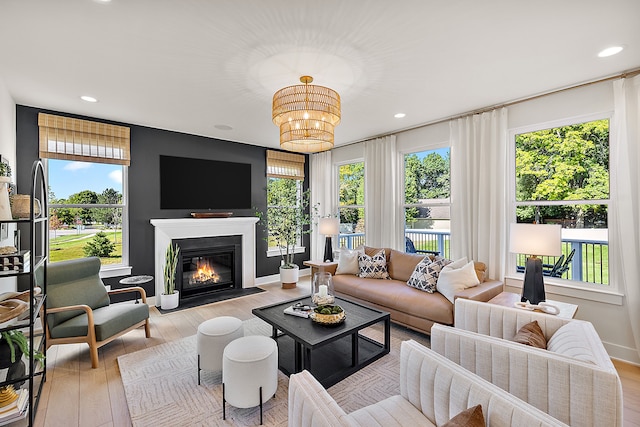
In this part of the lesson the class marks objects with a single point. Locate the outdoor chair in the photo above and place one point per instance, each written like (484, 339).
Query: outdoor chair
(411, 249)
(79, 309)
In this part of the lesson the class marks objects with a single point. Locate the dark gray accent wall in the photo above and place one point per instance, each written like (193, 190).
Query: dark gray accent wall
(147, 144)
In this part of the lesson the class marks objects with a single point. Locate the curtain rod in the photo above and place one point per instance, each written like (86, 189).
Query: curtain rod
(631, 73)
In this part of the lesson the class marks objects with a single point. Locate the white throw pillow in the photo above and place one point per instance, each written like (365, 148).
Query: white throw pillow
(348, 261)
(459, 263)
(451, 281)
(573, 341)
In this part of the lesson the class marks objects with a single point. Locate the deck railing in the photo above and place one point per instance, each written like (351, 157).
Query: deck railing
(590, 261)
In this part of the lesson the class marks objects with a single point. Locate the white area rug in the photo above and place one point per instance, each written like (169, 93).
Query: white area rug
(161, 384)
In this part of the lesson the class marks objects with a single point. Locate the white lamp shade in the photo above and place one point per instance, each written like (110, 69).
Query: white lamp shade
(328, 226)
(536, 239)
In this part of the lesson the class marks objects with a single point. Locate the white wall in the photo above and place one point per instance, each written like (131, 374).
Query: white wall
(608, 310)
(8, 151)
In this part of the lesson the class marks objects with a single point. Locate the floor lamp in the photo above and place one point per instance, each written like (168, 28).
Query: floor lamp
(328, 227)
(535, 240)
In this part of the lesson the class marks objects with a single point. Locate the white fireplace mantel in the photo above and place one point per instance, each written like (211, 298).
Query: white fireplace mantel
(185, 228)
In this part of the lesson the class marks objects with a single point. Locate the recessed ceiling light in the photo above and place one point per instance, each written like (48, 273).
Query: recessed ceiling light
(610, 51)
(88, 98)
(223, 127)
(399, 115)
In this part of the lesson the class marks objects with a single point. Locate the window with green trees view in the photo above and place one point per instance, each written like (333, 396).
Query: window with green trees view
(427, 193)
(562, 177)
(282, 193)
(351, 204)
(86, 208)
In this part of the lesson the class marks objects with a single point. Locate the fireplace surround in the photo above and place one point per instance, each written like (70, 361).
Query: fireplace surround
(168, 230)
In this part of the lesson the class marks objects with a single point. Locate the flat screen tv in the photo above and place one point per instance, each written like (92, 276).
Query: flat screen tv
(187, 183)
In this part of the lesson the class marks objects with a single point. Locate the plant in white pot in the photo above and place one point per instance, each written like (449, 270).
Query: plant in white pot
(286, 223)
(170, 298)
(5, 179)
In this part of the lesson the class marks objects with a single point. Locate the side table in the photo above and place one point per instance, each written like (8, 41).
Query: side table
(136, 281)
(318, 266)
(508, 299)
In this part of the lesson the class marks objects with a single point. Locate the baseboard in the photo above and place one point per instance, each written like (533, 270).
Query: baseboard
(626, 354)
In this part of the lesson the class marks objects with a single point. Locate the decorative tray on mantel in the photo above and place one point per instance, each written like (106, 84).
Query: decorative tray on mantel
(211, 214)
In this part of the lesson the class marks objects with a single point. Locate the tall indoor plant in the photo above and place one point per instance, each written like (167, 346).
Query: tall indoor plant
(170, 297)
(286, 224)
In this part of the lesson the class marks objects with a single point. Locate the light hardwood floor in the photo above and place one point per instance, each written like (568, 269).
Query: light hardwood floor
(76, 395)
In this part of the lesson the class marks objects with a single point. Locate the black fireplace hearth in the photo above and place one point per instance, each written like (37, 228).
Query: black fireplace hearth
(208, 265)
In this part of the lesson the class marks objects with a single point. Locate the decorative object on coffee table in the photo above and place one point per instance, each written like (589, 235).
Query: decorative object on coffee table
(322, 289)
(328, 315)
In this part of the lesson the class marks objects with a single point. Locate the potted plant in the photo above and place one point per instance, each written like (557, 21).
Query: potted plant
(170, 297)
(286, 224)
(5, 179)
(13, 344)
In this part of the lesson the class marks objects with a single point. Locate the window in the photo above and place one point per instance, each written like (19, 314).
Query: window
(285, 174)
(87, 165)
(351, 204)
(427, 193)
(86, 211)
(282, 193)
(562, 177)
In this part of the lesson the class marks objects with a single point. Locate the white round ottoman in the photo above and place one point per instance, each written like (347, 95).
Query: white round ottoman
(212, 337)
(249, 372)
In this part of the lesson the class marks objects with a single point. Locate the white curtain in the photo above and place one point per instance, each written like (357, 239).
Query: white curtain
(479, 202)
(382, 195)
(624, 216)
(323, 191)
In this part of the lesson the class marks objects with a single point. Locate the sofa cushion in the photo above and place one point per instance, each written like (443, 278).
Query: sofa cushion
(531, 334)
(471, 417)
(451, 280)
(572, 340)
(108, 321)
(373, 267)
(396, 295)
(401, 264)
(348, 261)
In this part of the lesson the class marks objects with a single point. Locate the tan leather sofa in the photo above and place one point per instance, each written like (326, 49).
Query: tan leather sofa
(408, 306)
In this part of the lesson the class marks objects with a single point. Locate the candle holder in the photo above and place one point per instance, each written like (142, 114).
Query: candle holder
(322, 289)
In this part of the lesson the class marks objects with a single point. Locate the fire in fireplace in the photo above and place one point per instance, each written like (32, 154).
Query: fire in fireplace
(209, 265)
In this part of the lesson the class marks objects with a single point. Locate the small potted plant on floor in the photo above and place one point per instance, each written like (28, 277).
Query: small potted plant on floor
(5, 180)
(170, 297)
(286, 224)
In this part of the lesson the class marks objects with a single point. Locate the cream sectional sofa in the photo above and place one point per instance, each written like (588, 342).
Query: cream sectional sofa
(432, 391)
(573, 380)
(408, 306)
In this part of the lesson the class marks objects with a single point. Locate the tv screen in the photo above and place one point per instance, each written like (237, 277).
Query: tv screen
(187, 183)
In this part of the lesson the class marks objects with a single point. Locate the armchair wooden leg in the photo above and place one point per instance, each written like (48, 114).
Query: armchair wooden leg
(93, 349)
(147, 329)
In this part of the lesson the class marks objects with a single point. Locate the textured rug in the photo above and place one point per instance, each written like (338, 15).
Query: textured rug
(161, 384)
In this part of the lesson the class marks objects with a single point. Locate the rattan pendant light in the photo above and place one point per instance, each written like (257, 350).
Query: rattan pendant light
(307, 116)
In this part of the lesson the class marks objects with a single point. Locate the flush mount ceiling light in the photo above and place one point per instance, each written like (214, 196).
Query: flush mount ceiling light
(399, 115)
(88, 98)
(307, 116)
(610, 51)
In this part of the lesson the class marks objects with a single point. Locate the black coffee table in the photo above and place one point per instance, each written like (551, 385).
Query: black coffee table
(330, 353)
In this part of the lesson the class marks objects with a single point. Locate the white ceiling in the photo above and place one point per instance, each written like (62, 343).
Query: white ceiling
(192, 65)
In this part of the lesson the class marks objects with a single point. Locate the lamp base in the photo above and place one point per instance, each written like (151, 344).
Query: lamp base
(533, 286)
(328, 250)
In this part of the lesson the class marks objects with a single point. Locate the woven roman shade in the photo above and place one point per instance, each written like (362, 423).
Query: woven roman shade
(82, 140)
(285, 165)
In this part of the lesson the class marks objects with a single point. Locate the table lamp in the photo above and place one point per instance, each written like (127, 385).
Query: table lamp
(328, 227)
(535, 240)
